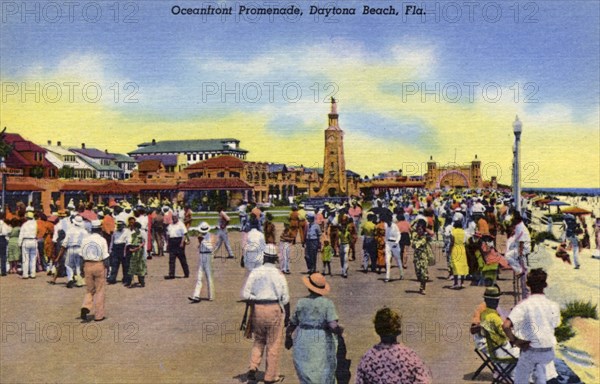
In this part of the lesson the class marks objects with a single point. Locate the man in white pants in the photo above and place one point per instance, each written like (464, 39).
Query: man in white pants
(392, 249)
(72, 245)
(530, 326)
(28, 244)
(205, 249)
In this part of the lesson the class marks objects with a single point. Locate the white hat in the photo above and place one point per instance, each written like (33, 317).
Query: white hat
(457, 217)
(271, 251)
(204, 228)
(96, 223)
(78, 221)
(71, 204)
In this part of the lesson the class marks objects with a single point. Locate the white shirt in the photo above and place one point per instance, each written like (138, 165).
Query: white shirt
(4, 229)
(64, 224)
(534, 319)
(28, 231)
(94, 248)
(206, 246)
(522, 234)
(75, 236)
(124, 216)
(470, 230)
(392, 233)
(448, 230)
(176, 230)
(120, 237)
(478, 207)
(266, 283)
(143, 220)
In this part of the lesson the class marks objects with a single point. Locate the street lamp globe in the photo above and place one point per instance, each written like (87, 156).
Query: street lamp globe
(517, 126)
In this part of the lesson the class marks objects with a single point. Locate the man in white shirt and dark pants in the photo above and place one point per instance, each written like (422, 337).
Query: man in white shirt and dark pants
(205, 249)
(94, 252)
(530, 326)
(267, 290)
(28, 244)
(177, 237)
(392, 249)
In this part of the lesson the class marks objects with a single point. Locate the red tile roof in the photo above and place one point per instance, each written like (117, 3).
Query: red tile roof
(22, 145)
(18, 186)
(233, 183)
(219, 162)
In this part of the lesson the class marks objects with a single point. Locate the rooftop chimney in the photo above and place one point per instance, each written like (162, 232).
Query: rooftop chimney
(82, 145)
(153, 142)
(58, 143)
(49, 142)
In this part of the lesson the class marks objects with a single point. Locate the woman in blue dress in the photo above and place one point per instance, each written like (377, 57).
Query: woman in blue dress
(313, 333)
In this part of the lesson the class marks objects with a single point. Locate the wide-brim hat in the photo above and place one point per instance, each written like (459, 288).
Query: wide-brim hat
(270, 252)
(78, 221)
(492, 293)
(316, 283)
(204, 228)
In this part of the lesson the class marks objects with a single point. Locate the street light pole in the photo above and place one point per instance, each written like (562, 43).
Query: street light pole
(517, 129)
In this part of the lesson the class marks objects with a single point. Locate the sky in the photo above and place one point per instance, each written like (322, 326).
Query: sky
(446, 84)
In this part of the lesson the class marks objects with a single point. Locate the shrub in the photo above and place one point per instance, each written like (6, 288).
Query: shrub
(540, 237)
(574, 309)
(580, 309)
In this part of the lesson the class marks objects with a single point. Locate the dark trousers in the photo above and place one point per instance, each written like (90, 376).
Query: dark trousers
(41, 260)
(176, 251)
(3, 254)
(370, 246)
(310, 254)
(118, 258)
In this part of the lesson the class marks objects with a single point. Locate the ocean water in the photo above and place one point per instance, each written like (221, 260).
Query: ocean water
(578, 191)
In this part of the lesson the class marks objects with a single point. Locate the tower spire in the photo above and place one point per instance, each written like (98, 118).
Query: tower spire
(333, 116)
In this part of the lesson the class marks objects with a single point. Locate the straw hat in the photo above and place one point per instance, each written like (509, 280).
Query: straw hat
(204, 228)
(316, 283)
(78, 221)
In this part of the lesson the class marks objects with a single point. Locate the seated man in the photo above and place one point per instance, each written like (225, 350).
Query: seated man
(491, 321)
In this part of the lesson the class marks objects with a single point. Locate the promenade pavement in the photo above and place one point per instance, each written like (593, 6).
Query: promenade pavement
(154, 335)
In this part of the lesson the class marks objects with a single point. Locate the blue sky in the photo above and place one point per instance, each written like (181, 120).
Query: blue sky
(552, 44)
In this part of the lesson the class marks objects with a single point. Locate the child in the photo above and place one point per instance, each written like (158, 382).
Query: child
(562, 253)
(327, 255)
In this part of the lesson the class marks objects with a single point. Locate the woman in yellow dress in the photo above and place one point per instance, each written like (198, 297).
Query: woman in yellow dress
(458, 254)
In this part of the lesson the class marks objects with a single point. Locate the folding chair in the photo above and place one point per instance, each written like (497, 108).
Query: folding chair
(481, 351)
(501, 367)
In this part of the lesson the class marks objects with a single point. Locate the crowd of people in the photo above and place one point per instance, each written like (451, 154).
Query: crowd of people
(88, 244)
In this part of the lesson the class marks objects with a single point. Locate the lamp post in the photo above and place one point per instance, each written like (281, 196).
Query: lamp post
(2, 166)
(517, 129)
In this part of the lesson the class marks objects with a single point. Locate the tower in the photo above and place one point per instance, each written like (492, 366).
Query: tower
(476, 181)
(334, 165)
